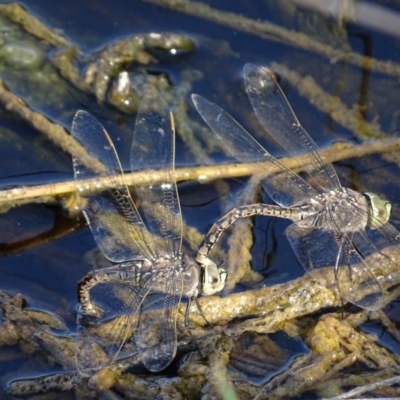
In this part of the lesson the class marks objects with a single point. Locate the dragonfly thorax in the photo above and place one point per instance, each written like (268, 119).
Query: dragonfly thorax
(340, 210)
(190, 276)
(186, 267)
(168, 261)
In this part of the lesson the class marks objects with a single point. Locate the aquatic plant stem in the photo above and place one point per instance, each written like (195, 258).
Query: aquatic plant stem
(202, 174)
(270, 31)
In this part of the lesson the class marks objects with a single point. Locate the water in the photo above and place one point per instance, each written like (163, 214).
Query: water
(47, 271)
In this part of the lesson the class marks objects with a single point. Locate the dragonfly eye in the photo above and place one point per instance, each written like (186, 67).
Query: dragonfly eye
(379, 210)
(214, 278)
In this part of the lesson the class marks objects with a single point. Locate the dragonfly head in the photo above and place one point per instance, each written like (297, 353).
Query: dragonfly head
(214, 278)
(379, 210)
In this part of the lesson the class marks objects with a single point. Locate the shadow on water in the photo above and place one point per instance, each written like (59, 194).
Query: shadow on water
(261, 344)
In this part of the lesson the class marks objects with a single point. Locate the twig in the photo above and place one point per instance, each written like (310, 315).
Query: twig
(45, 193)
(19, 15)
(367, 388)
(284, 302)
(54, 132)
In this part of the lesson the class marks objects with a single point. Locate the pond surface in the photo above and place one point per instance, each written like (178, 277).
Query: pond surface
(46, 248)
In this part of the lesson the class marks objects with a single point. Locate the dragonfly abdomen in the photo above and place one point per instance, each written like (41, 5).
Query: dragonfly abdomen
(130, 271)
(272, 210)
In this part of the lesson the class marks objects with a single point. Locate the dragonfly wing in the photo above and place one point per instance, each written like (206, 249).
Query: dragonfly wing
(153, 150)
(385, 237)
(356, 280)
(155, 335)
(282, 185)
(108, 207)
(314, 247)
(382, 248)
(283, 128)
(317, 248)
(107, 316)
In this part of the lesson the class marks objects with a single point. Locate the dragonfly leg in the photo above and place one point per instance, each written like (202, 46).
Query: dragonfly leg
(187, 327)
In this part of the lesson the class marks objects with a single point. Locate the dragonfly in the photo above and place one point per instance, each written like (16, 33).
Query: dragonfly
(332, 225)
(149, 273)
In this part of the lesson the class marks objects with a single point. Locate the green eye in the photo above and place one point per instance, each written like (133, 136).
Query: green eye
(379, 210)
(214, 278)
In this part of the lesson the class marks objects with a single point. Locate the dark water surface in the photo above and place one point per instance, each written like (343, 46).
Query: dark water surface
(43, 250)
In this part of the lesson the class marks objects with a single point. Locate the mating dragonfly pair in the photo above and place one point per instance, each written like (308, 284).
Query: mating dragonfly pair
(332, 225)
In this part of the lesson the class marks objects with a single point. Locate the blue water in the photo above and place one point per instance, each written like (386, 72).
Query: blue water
(46, 272)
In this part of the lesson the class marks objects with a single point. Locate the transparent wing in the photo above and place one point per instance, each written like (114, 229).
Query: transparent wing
(155, 335)
(107, 316)
(381, 247)
(153, 150)
(317, 248)
(356, 280)
(386, 237)
(111, 214)
(282, 126)
(126, 306)
(314, 247)
(284, 186)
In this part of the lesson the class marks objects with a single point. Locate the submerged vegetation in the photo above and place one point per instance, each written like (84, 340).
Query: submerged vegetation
(285, 340)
